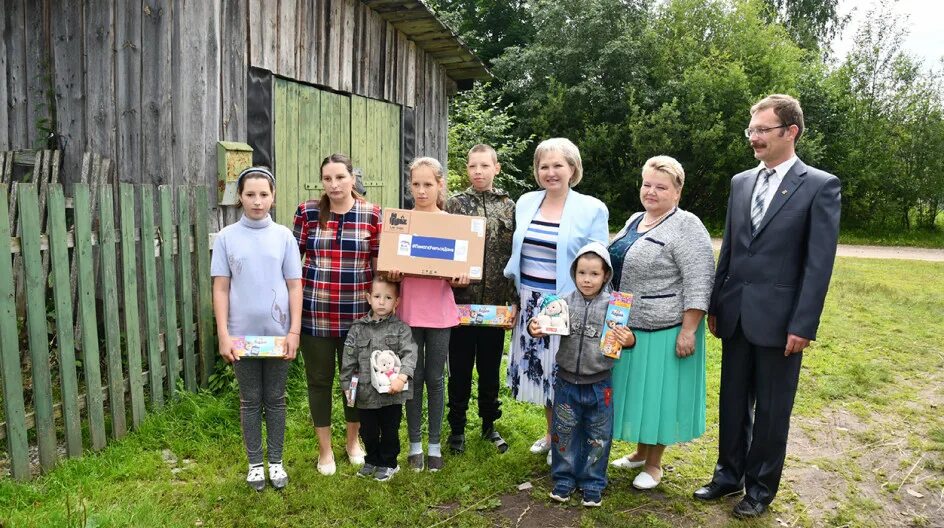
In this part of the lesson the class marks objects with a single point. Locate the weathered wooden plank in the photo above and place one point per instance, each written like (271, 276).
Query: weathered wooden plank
(18, 117)
(157, 30)
(187, 330)
(305, 60)
(196, 102)
(204, 291)
(87, 318)
(128, 88)
(149, 276)
(14, 409)
(130, 277)
(37, 329)
(359, 143)
(410, 79)
(99, 78)
(372, 157)
(287, 12)
(346, 24)
(375, 55)
(281, 101)
(65, 337)
(333, 57)
(344, 124)
(69, 85)
(4, 113)
(390, 62)
(289, 185)
(327, 131)
(264, 34)
(109, 288)
(39, 100)
(170, 287)
(233, 79)
(401, 69)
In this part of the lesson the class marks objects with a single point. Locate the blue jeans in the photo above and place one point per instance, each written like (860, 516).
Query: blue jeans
(582, 435)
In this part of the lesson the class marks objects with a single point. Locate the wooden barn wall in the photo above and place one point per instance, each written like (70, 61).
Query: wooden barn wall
(153, 84)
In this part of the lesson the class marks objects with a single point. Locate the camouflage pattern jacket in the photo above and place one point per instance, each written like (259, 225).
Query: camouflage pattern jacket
(499, 211)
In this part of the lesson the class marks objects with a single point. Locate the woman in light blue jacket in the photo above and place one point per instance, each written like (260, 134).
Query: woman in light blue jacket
(550, 226)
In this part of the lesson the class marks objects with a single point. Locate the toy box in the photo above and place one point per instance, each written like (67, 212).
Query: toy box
(554, 317)
(432, 244)
(617, 314)
(259, 346)
(486, 315)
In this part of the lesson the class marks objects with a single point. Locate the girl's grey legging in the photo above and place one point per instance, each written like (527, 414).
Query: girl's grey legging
(262, 385)
(432, 353)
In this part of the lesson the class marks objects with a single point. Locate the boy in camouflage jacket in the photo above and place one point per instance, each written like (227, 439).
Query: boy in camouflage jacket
(481, 346)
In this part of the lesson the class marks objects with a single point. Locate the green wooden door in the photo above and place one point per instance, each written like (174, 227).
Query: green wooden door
(310, 124)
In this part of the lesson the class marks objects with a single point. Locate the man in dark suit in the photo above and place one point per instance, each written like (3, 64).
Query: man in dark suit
(776, 260)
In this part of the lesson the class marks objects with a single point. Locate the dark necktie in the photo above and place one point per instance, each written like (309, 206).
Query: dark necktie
(760, 198)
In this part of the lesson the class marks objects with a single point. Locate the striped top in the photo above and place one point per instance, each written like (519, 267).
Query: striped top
(539, 255)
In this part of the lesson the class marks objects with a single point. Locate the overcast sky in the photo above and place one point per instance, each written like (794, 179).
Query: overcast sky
(924, 24)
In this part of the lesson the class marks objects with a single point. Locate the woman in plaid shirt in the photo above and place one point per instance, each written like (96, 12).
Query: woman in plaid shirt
(339, 237)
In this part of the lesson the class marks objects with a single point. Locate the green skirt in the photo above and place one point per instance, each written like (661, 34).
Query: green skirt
(659, 398)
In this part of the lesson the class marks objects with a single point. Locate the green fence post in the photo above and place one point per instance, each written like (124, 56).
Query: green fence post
(110, 314)
(129, 269)
(184, 245)
(149, 274)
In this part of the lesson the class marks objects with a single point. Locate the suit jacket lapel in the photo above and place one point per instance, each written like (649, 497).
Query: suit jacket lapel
(787, 189)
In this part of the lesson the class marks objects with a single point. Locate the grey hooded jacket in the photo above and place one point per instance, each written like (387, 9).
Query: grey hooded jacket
(579, 358)
(365, 336)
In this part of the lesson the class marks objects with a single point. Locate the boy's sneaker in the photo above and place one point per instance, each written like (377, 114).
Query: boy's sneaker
(592, 499)
(384, 474)
(256, 477)
(277, 476)
(456, 443)
(416, 462)
(435, 463)
(367, 470)
(561, 494)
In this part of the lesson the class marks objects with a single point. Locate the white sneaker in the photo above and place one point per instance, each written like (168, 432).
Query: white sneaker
(256, 477)
(277, 476)
(541, 445)
(645, 481)
(549, 458)
(626, 463)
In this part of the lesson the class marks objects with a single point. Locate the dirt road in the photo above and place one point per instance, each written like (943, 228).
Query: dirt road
(879, 252)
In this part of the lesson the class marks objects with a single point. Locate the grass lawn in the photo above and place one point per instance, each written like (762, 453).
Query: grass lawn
(866, 448)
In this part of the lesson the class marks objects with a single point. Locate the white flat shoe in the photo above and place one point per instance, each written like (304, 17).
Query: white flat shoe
(540, 446)
(549, 457)
(327, 469)
(645, 481)
(626, 463)
(356, 459)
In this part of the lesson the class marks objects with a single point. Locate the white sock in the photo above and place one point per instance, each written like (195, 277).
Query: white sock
(435, 450)
(416, 448)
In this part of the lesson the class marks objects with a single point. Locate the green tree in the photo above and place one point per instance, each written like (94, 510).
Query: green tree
(476, 117)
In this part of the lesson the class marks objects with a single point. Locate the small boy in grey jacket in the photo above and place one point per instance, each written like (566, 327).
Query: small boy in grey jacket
(582, 428)
(380, 413)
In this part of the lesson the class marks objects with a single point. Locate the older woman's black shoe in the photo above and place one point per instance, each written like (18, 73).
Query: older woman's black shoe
(713, 491)
(456, 443)
(748, 508)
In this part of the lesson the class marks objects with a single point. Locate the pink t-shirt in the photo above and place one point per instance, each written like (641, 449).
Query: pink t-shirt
(427, 303)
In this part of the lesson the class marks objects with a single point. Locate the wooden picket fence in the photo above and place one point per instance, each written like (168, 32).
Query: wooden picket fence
(142, 312)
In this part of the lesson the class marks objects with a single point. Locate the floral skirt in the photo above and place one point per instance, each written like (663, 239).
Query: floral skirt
(531, 364)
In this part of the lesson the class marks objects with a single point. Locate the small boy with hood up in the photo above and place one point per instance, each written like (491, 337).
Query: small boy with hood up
(582, 427)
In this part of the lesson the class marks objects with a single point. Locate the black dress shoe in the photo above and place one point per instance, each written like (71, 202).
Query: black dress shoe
(748, 508)
(713, 491)
(456, 443)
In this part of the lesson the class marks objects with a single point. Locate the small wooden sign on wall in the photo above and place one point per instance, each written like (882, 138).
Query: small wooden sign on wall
(231, 159)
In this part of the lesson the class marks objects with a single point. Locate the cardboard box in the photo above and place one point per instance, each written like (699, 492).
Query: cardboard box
(432, 244)
(617, 314)
(259, 346)
(486, 315)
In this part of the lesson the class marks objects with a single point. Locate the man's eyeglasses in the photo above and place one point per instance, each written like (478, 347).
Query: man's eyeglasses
(748, 132)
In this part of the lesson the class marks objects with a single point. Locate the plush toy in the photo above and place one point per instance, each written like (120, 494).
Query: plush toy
(385, 365)
(554, 318)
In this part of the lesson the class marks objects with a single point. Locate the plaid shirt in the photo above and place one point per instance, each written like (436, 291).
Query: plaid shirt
(337, 267)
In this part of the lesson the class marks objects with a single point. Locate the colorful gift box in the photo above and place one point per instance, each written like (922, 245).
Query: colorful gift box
(486, 315)
(259, 346)
(617, 314)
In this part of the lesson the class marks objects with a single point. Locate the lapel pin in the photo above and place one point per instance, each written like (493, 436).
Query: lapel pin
(783, 192)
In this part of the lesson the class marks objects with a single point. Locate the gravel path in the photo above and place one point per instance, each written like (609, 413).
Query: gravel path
(879, 252)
